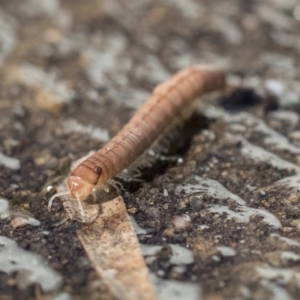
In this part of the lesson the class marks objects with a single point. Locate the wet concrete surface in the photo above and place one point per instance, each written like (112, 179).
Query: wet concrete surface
(222, 220)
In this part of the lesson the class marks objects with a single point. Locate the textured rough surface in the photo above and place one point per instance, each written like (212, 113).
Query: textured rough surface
(218, 215)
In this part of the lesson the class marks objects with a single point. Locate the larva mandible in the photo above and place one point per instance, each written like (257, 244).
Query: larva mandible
(167, 100)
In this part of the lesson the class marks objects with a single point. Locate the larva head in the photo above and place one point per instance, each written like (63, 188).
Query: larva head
(78, 188)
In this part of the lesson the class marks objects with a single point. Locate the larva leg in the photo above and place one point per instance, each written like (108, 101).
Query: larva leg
(55, 196)
(80, 208)
(62, 221)
(118, 186)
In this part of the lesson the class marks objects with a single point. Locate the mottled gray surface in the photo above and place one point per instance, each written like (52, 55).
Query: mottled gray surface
(224, 221)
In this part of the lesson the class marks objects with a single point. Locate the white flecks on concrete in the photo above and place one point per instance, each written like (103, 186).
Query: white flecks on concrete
(50, 8)
(176, 290)
(291, 182)
(294, 135)
(297, 13)
(18, 219)
(274, 87)
(289, 241)
(9, 162)
(226, 251)
(279, 275)
(212, 112)
(216, 190)
(62, 296)
(94, 132)
(229, 30)
(279, 293)
(137, 229)
(132, 97)
(114, 10)
(4, 208)
(181, 255)
(152, 70)
(33, 76)
(189, 8)
(179, 269)
(150, 250)
(178, 189)
(182, 221)
(211, 188)
(35, 7)
(104, 59)
(274, 18)
(284, 5)
(238, 128)
(287, 40)
(250, 188)
(261, 155)
(216, 258)
(244, 215)
(291, 96)
(245, 292)
(289, 256)
(15, 259)
(272, 137)
(8, 36)
(21, 221)
(289, 116)
(281, 64)
(202, 227)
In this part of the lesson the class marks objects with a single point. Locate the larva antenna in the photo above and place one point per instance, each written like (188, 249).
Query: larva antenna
(82, 214)
(56, 195)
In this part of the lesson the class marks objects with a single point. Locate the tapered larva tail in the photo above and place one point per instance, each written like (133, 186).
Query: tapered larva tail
(167, 100)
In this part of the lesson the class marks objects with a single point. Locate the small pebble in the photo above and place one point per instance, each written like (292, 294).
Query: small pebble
(178, 189)
(132, 210)
(296, 223)
(23, 221)
(18, 222)
(182, 221)
(216, 258)
(287, 229)
(182, 205)
(294, 198)
(169, 232)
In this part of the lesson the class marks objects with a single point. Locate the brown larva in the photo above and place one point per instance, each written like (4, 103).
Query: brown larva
(166, 102)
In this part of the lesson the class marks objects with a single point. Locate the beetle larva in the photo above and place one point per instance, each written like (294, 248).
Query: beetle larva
(166, 102)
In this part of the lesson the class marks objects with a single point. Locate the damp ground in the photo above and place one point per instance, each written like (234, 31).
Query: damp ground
(219, 215)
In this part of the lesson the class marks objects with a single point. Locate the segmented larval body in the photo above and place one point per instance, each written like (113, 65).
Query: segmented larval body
(166, 102)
